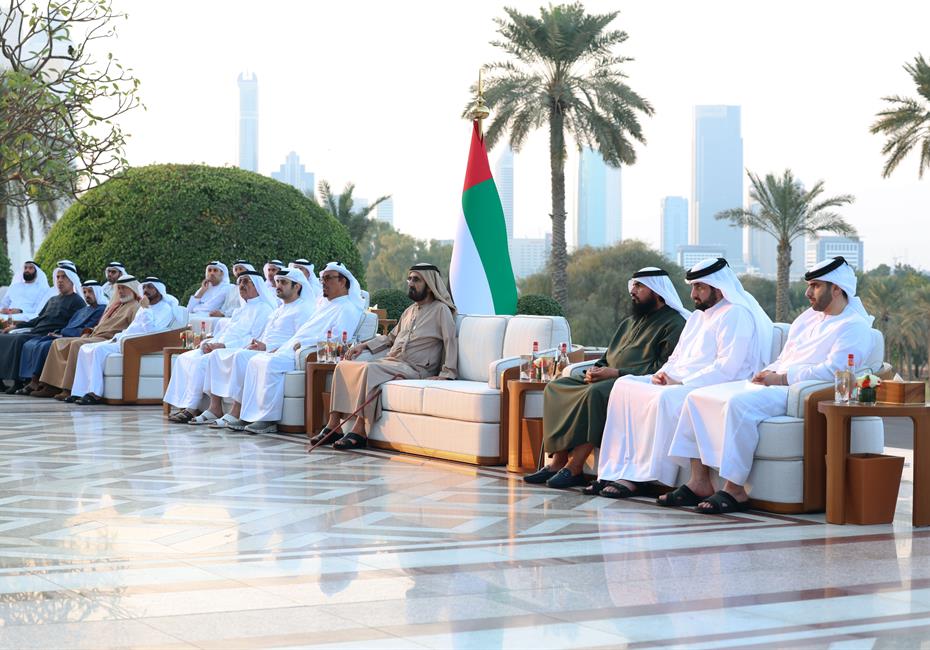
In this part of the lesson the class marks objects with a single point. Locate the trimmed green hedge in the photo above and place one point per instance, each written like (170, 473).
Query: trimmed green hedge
(170, 220)
(394, 301)
(6, 269)
(538, 305)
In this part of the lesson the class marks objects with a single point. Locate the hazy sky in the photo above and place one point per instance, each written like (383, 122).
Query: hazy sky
(372, 92)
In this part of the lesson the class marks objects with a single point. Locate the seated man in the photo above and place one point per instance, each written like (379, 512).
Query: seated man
(35, 351)
(309, 272)
(263, 393)
(209, 298)
(113, 272)
(27, 294)
(57, 374)
(719, 427)
(574, 409)
(233, 300)
(422, 345)
(54, 315)
(225, 371)
(727, 337)
(155, 315)
(185, 390)
(270, 270)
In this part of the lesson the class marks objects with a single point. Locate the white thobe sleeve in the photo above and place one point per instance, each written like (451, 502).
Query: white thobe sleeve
(34, 302)
(246, 326)
(855, 338)
(734, 338)
(212, 299)
(5, 300)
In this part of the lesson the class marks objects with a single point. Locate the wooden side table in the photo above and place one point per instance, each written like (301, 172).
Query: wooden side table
(517, 446)
(838, 422)
(315, 408)
(167, 353)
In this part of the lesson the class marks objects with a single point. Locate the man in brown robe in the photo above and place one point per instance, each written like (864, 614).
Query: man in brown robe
(422, 345)
(58, 372)
(574, 410)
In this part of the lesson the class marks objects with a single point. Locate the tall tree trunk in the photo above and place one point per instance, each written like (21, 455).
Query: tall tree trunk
(559, 256)
(782, 281)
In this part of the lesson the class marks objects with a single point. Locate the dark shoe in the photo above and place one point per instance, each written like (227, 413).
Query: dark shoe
(71, 399)
(326, 436)
(45, 391)
(594, 488)
(539, 476)
(351, 441)
(564, 479)
(680, 497)
(89, 400)
(17, 385)
(617, 490)
(722, 503)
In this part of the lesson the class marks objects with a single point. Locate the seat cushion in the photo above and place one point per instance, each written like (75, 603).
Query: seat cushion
(151, 365)
(295, 383)
(438, 437)
(481, 341)
(468, 401)
(404, 395)
(782, 437)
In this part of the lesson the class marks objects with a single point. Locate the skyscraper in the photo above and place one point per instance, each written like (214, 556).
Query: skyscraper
(599, 208)
(827, 246)
(673, 228)
(248, 122)
(294, 174)
(386, 211)
(503, 178)
(717, 179)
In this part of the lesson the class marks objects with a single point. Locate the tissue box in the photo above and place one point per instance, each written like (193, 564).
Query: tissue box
(901, 392)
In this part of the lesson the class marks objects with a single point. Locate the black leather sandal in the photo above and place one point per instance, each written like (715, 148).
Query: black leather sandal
(326, 436)
(351, 441)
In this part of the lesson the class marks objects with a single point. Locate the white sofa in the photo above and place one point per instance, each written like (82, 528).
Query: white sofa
(788, 472)
(462, 419)
(135, 375)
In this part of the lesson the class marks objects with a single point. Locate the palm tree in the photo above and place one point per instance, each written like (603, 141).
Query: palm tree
(563, 72)
(342, 207)
(907, 122)
(787, 212)
(899, 318)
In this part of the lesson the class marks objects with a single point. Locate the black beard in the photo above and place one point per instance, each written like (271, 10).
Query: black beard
(704, 305)
(643, 308)
(822, 304)
(29, 277)
(417, 297)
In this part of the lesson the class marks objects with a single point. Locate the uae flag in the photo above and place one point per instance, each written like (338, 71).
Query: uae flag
(480, 275)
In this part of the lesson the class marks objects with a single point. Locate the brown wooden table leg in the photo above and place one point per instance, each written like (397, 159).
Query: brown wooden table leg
(518, 390)
(921, 500)
(837, 452)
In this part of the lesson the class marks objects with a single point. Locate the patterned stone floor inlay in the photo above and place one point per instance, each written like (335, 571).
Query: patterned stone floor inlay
(119, 530)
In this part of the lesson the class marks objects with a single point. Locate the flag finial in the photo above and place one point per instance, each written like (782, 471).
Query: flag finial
(480, 110)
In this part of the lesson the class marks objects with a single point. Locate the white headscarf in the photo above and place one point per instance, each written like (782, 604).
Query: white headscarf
(277, 263)
(657, 281)
(243, 263)
(355, 289)
(131, 282)
(315, 286)
(222, 268)
(294, 275)
(838, 271)
(264, 292)
(67, 267)
(98, 291)
(116, 265)
(717, 273)
(160, 287)
(40, 281)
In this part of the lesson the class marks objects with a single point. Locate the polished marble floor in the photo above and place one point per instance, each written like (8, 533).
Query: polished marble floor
(118, 530)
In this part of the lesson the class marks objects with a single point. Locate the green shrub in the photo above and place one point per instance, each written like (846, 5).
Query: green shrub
(394, 301)
(538, 305)
(170, 220)
(6, 269)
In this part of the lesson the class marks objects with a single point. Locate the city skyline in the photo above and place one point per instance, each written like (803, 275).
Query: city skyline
(825, 136)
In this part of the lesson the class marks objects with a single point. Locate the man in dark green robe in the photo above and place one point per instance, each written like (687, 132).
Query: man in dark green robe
(574, 409)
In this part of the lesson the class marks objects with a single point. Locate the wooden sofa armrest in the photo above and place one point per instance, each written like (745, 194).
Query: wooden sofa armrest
(134, 348)
(815, 450)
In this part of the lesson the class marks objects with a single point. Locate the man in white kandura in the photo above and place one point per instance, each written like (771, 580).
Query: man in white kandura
(209, 298)
(226, 368)
(727, 337)
(27, 294)
(156, 311)
(309, 272)
(719, 426)
(263, 392)
(270, 270)
(185, 390)
(113, 272)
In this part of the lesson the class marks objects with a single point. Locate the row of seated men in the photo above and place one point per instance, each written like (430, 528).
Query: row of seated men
(674, 388)
(62, 350)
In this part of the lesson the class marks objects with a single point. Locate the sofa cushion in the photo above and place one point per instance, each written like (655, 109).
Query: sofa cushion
(404, 395)
(481, 341)
(295, 383)
(437, 437)
(782, 437)
(549, 331)
(151, 365)
(469, 401)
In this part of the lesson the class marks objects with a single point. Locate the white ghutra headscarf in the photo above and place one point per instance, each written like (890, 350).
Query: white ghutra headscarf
(657, 281)
(838, 271)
